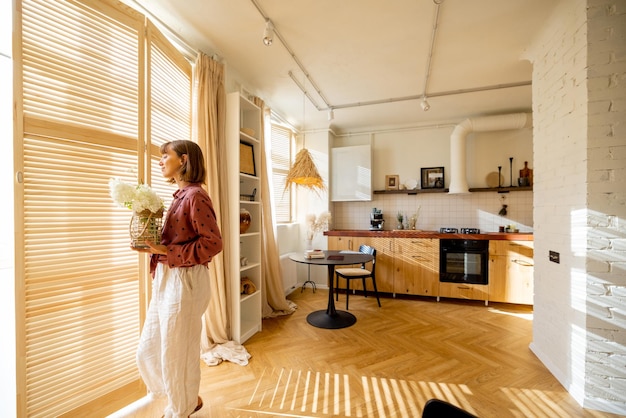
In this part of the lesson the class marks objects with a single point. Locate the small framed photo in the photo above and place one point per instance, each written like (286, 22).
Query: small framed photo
(246, 159)
(392, 182)
(433, 178)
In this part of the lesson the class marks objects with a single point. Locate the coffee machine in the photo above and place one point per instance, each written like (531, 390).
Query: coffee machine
(376, 220)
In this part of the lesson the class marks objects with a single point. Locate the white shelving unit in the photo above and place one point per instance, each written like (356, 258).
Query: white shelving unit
(246, 311)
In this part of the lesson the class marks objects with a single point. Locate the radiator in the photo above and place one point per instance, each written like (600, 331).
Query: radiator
(288, 270)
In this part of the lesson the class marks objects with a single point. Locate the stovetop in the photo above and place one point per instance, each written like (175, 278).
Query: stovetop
(456, 231)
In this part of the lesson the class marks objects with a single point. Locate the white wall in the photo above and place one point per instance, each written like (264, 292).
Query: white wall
(404, 152)
(579, 327)
(7, 257)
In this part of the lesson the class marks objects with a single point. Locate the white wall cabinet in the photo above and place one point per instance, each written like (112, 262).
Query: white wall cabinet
(351, 171)
(243, 133)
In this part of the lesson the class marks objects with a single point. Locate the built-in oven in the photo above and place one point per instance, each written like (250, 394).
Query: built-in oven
(463, 260)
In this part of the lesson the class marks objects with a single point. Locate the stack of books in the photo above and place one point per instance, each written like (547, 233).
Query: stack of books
(314, 254)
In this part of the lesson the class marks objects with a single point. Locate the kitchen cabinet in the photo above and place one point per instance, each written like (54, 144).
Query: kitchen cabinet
(464, 291)
(410, 265)
(511, 270)
(351, 169)
(341, 243)
(243, 128)
(384, 263)
(416, 266)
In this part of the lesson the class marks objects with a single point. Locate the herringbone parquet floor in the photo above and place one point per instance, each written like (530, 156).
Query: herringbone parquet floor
(387, 364)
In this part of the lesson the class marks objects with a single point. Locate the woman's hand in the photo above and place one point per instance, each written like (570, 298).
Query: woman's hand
(154, 248)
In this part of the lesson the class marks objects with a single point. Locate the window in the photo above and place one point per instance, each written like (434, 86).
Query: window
(101, 91)
(281, 150)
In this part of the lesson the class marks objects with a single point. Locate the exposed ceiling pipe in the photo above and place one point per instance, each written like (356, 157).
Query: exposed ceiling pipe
(458, 157)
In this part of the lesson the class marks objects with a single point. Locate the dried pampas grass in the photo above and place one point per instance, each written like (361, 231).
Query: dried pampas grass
(304, 172)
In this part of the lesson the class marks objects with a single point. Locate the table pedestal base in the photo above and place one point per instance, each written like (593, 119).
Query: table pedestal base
(340, 319)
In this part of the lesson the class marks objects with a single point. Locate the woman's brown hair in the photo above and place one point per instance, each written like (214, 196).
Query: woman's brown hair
(192, 170)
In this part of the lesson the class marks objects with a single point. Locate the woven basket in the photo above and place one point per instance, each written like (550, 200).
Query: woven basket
(145, 226)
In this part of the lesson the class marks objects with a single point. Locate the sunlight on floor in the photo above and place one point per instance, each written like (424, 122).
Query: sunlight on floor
(522, 315)
(129, 410)
(309, 394)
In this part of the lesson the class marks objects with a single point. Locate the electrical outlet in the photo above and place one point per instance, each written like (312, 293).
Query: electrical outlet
(555, 257)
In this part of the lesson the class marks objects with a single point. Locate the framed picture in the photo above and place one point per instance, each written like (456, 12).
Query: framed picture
(433, 178)
(392, 182)
(246, 159)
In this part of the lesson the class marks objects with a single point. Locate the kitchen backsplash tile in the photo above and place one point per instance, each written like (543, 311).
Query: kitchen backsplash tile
(474, 210)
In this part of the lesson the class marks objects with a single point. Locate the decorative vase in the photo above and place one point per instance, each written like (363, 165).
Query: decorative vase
(244, 220)
(145, 226)
(309, 244)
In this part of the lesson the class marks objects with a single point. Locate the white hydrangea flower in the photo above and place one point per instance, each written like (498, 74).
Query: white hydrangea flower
(136, 198)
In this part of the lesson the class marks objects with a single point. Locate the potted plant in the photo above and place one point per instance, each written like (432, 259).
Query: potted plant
(400, 218)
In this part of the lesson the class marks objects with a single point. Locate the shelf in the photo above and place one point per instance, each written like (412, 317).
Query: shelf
(250, 266)
(246, 314)
(254, 295)
(472, 189)
(502, 189)
(412, 191)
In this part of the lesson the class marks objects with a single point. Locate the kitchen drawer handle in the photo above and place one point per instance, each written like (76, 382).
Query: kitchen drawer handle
(523, 263)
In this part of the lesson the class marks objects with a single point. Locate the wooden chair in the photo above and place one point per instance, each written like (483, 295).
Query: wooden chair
(351, 273)
(436, 408)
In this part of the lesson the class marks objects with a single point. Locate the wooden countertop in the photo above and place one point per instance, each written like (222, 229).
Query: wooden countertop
(405, 233)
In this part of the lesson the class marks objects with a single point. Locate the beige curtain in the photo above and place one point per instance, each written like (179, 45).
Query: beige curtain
(209, 132)
(274, 301)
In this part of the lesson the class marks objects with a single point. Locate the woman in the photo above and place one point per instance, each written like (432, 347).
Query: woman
(168, 355)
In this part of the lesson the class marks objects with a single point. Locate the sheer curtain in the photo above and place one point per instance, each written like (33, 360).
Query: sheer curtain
(209, 131)
(274, 301)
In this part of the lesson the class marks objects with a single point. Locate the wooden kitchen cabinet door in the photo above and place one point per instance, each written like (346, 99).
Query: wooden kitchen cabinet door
(384, 263)
(464, 291)
(340, 243)
(511, 272)
(416, 266)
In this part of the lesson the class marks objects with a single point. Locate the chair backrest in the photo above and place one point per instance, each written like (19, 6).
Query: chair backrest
(366, 249)
(436, 408)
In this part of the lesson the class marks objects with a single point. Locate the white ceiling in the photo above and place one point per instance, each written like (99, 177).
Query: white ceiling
(359, 51)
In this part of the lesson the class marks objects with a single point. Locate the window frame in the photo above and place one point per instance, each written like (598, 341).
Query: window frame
(280, 169)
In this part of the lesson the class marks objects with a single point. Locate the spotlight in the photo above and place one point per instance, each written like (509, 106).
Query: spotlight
(268, 33)
(331, 114)
(425, 105)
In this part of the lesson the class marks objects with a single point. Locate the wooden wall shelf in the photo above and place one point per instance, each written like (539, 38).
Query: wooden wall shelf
(472, 189)
(501, 189)
(412, 191)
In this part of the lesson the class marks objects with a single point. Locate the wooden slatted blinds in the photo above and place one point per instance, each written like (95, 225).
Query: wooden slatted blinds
(281, 142)
(88, 115)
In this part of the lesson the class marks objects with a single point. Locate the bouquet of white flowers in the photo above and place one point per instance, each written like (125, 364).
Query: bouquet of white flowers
(147, 208)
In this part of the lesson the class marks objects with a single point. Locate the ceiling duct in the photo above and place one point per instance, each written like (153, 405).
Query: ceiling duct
(458, 157)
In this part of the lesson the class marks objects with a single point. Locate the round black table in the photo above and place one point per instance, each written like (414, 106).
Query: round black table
(332, 318)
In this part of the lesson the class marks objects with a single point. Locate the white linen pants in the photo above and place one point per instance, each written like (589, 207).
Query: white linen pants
(168, 355)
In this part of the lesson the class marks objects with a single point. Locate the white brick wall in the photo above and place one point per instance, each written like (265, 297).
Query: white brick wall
(606, 265)
(579, 112)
